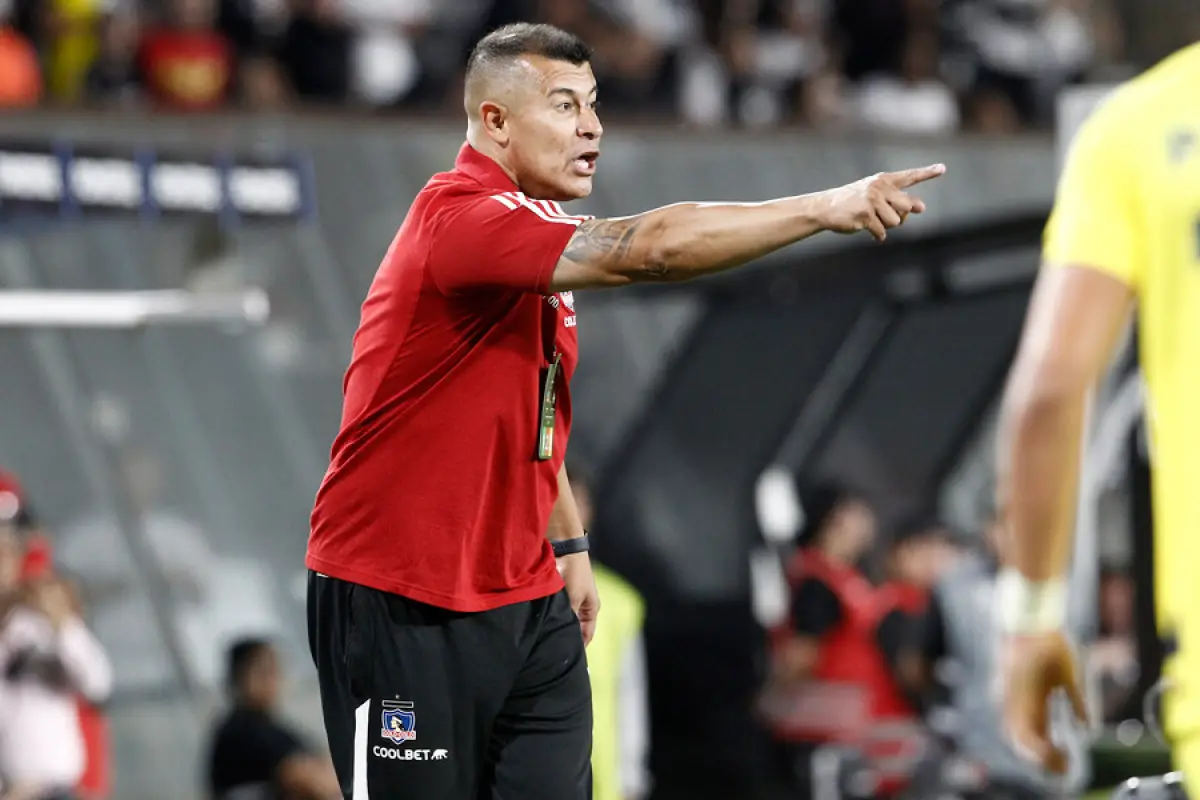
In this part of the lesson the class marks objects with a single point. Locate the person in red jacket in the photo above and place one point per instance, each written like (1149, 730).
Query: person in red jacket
(825, 659)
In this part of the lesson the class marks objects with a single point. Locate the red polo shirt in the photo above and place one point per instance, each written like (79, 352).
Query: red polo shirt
(434, 490)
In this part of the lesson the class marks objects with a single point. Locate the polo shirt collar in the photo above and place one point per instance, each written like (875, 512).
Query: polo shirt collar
(475, 164)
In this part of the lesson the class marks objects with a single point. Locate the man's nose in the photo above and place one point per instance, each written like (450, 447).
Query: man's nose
(589, 125)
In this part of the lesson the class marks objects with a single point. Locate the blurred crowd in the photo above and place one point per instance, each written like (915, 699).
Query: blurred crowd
(884, 687)
(894, 66)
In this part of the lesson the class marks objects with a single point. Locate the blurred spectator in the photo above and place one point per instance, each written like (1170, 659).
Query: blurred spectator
(1018, 52)
(869, 36)
(632, 59)
(384, 63)
(187, 64)
(664, 30)
(252, 27)
(253, 754)
(826, 661)
(48, 657)
(1113, 657)
(20, 74)
(314, 52)
(958, 645)
(73, 41)
(912, 101)
(114, 78)
(922, 551)
(780, 48)
(839, 530)
(617, 665)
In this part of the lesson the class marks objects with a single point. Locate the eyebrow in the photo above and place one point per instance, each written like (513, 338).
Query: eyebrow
(571, 92)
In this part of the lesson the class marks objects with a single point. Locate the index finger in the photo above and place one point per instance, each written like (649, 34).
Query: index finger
(910, 177)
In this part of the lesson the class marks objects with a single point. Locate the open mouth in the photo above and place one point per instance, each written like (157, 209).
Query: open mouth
(586, 162)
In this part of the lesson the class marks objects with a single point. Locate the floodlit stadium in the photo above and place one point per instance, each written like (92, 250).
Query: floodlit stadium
(195, 198)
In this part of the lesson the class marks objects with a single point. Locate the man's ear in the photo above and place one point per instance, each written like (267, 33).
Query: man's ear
(495, 121)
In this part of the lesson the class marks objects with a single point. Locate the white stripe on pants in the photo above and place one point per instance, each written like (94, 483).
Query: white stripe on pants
(359, 775)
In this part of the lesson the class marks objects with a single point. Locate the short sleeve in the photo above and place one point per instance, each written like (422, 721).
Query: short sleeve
(267, 745)
(502, 241)
(1094, 222)
(816, 609)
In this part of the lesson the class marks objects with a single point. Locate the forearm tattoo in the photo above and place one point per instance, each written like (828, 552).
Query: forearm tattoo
(603, 240)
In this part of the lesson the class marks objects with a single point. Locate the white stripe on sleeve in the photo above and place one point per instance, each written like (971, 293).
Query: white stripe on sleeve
(505, 201)
(546, 210)
(558, 210)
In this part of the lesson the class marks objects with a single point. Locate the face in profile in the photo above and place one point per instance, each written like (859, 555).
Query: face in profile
(554, 131)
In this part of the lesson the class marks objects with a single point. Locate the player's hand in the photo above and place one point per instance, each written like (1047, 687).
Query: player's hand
(576, 571)
(1033, 669)
(878, 202)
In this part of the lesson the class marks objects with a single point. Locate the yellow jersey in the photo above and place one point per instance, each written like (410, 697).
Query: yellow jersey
(1128, 204)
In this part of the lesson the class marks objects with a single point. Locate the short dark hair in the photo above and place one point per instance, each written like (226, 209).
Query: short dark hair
(819, 502)
(923, 525)
(528, 39)
(241, 655)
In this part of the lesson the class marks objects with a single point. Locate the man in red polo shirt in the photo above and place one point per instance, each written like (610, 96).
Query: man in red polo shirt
(450, 654)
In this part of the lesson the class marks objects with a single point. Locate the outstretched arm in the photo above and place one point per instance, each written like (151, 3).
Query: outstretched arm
(687, 240)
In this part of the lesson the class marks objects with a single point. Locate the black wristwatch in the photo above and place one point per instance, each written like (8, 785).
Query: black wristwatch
(566, 547)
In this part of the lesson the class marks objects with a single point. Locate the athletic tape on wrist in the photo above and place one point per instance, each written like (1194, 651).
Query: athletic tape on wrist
(1027, 607)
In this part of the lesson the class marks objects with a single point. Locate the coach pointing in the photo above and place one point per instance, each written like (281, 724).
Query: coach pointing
(450, 657)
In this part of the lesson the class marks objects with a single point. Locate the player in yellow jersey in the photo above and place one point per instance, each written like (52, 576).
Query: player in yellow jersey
(1124, 234)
